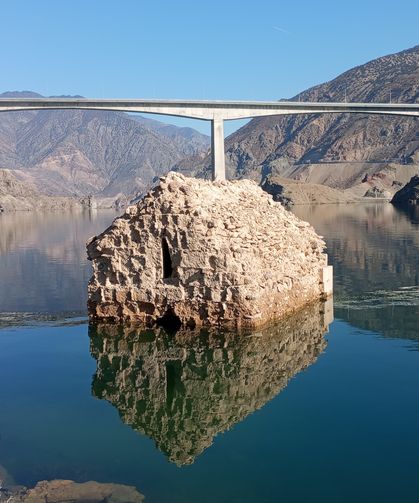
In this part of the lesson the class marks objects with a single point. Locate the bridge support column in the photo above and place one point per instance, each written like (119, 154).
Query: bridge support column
(217, 149)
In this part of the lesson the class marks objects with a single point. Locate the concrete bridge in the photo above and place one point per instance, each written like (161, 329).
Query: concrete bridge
(215, 111)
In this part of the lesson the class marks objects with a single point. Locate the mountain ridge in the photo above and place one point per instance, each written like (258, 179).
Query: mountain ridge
(82, 152)
(293, 146)
(114, 154)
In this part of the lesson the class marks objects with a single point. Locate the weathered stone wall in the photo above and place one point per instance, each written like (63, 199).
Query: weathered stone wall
(182, 391)
(207, 253)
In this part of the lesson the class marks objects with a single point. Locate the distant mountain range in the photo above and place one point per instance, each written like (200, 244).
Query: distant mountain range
(338, 150)
(76, 152)
(110, 154)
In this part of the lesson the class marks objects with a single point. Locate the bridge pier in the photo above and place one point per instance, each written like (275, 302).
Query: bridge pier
(217, 149)
(214, 111)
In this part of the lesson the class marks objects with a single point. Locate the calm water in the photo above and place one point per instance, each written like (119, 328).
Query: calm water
(292, 413)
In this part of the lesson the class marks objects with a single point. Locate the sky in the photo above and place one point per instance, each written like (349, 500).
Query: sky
(238, 50)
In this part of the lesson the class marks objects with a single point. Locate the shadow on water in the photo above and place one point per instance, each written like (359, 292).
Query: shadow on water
(183, 389)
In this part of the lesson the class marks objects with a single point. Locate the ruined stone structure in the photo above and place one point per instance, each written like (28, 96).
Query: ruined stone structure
(182, 391)
(199, 253)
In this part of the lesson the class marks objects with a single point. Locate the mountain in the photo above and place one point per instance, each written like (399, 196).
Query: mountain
(76, 152)
(189, 140)
(113, 154)
(336, 149)
(17, 195)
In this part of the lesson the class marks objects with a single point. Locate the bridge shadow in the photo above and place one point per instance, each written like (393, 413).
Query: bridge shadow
(183, 389)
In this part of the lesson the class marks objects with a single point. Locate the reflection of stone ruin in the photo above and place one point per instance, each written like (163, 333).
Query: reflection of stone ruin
(184, 389)
(206, 253)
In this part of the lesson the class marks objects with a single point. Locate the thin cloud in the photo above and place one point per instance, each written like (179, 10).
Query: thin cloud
(282, 30)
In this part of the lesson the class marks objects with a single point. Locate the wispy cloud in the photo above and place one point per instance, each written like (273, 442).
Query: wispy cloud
(282, 30)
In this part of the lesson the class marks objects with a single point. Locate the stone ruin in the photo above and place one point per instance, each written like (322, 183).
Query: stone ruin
(194, 252)
(183, 390)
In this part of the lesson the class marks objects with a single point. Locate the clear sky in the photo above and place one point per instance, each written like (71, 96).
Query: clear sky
(230, 49)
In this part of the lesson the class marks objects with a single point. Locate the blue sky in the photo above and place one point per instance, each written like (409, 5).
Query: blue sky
(260, 50)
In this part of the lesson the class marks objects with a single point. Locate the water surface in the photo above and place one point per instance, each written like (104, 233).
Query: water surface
(291, 413)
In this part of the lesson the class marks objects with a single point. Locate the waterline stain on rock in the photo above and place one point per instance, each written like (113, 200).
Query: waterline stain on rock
(196, 253)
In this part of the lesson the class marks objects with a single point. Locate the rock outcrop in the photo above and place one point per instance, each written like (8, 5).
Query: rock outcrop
(408, 195)
(67, 491)
(290, 192)
(16, 195)
(182, 391)
(337, 150)
(195, 252)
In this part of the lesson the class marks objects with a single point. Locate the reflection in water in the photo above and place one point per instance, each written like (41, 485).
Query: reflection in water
(182, 390)
(400, 322)
(392, 313)
(374, 249)
(371, 246)
(412, 213)
(43, 263)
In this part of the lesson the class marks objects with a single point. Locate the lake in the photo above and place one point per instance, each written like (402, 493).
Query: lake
(311, 409)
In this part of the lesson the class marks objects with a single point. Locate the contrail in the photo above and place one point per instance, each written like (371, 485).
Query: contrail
(282, 30)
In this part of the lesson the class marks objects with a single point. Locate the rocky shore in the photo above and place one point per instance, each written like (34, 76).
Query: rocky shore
(18, 196)
(408, 195)
(290, 192)
(66, 491)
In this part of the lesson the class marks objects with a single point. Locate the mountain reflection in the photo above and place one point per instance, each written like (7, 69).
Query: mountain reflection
(182, 390)
(43, 262)
(392, 313)
(412, 213)
(371, 246)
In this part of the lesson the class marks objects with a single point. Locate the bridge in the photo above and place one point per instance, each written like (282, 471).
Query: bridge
(215, 111)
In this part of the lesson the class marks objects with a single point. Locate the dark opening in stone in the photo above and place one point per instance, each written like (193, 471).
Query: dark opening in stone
(170, 321)
(167, 260)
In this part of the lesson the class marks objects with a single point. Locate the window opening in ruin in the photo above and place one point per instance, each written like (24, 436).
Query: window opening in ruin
(167, 260)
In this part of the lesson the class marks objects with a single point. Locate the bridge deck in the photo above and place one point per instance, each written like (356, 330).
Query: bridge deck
(215, 111)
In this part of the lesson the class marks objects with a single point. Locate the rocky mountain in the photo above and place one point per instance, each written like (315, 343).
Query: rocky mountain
(290, 192)
(408, 195)
(113, 154)
(19, 196)
(338, 150)
(75, 152)
(189, 141)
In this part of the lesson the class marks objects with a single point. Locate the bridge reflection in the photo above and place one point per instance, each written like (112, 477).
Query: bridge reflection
(183, 389)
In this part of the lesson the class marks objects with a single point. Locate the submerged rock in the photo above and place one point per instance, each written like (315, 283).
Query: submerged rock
(66, 491)
(408, 195)
(195, 252)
